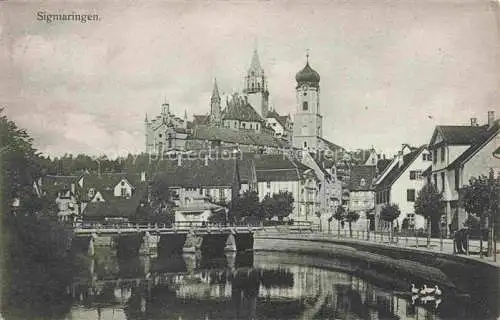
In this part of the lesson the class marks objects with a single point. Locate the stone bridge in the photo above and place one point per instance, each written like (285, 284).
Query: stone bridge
(163, 239)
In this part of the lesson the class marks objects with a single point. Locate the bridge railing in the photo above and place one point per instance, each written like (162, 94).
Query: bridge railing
(180, 225)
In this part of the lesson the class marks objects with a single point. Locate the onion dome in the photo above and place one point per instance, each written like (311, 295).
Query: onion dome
(307, 75)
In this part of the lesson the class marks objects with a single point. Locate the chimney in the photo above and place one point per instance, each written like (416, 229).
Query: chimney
(473, 122)
(179, 159)
(143, 176)
(491, 118)
(400, 158)
(206, 160)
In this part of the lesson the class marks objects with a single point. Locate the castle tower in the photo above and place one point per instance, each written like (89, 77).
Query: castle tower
(215, 107)
(256, 86)
(308, 121)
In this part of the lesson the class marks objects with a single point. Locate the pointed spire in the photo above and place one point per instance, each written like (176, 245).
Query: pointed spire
(146, 117)
(185, 114)
(307, 56)
(255, 61)
(215, 91)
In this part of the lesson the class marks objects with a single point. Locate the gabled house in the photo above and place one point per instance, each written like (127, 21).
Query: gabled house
(112, 196)
(63, 190)
(362, 195)
(329, 186)
(460, 153)
(277, 173)
(400, 183)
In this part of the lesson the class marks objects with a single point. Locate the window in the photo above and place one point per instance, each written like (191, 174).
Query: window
(435, 179)
(243, 125)
(123, 192)
(170, 140)
(201, 191)
(305, 144)
(305, 94)
(442, 154)
(435, 156)
(457, 179)
(122, 183)
(268, 194)
(415, 174)
(221, 194)
(427, 157)
(305, 106)
(442, 182)
(410, 195)
(269, 184)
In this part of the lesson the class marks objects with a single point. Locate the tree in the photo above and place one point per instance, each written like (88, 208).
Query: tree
(428, 204)
(284, 204)
(245, 206)
(350, 217)
(339, 216)
(481, 198)
(278, 205)
(389, 213)
(160, 207)
(34, 255)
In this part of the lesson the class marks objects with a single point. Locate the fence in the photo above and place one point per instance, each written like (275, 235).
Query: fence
(404, 240)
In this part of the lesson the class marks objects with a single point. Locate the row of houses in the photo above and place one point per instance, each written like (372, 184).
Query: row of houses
(454, 155)
(198, 186)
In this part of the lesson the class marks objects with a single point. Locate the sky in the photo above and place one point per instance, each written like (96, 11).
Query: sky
(390, 70)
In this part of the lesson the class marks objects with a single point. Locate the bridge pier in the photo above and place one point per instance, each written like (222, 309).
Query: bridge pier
(192, 243)
(230, 244)
(149, 244)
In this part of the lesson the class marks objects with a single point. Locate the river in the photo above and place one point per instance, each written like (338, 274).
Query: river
(241, 286)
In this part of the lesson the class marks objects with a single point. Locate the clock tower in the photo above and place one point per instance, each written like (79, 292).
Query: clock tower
(308, 121)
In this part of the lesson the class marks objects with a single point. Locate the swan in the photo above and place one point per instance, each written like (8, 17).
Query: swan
(437, 291)
(423, 291)
(426, 291)
(438, 301)
(414, 290)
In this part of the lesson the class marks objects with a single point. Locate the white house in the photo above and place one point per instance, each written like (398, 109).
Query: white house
(400, 183)
(459, 154)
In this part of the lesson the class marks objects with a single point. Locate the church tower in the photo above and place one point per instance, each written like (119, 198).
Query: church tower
(256, 86)
(215, 107)
(308, 121)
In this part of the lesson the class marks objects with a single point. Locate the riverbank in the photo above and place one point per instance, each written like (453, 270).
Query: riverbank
(397, 266)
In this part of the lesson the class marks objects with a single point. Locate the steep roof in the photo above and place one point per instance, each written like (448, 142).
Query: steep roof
(271, 167)
(193, 173)
(359, 173)
(53, 184)
(331, 145)
(106, 182)
(479, 142)
(382, 164)
(397, 170)
(234, 136)
(458, 135)
(240, 109)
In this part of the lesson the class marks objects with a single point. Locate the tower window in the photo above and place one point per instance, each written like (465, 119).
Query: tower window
(305, 94)
(305, 106)
(305, 144)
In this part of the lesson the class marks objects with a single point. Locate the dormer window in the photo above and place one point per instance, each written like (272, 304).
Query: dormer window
(91, 192)
(362, 183)
(122, 183)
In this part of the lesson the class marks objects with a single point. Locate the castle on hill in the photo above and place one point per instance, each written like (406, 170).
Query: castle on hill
(245, 120)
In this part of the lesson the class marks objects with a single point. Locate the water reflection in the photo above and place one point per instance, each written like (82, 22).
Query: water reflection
(243, 286)
(239, 287)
